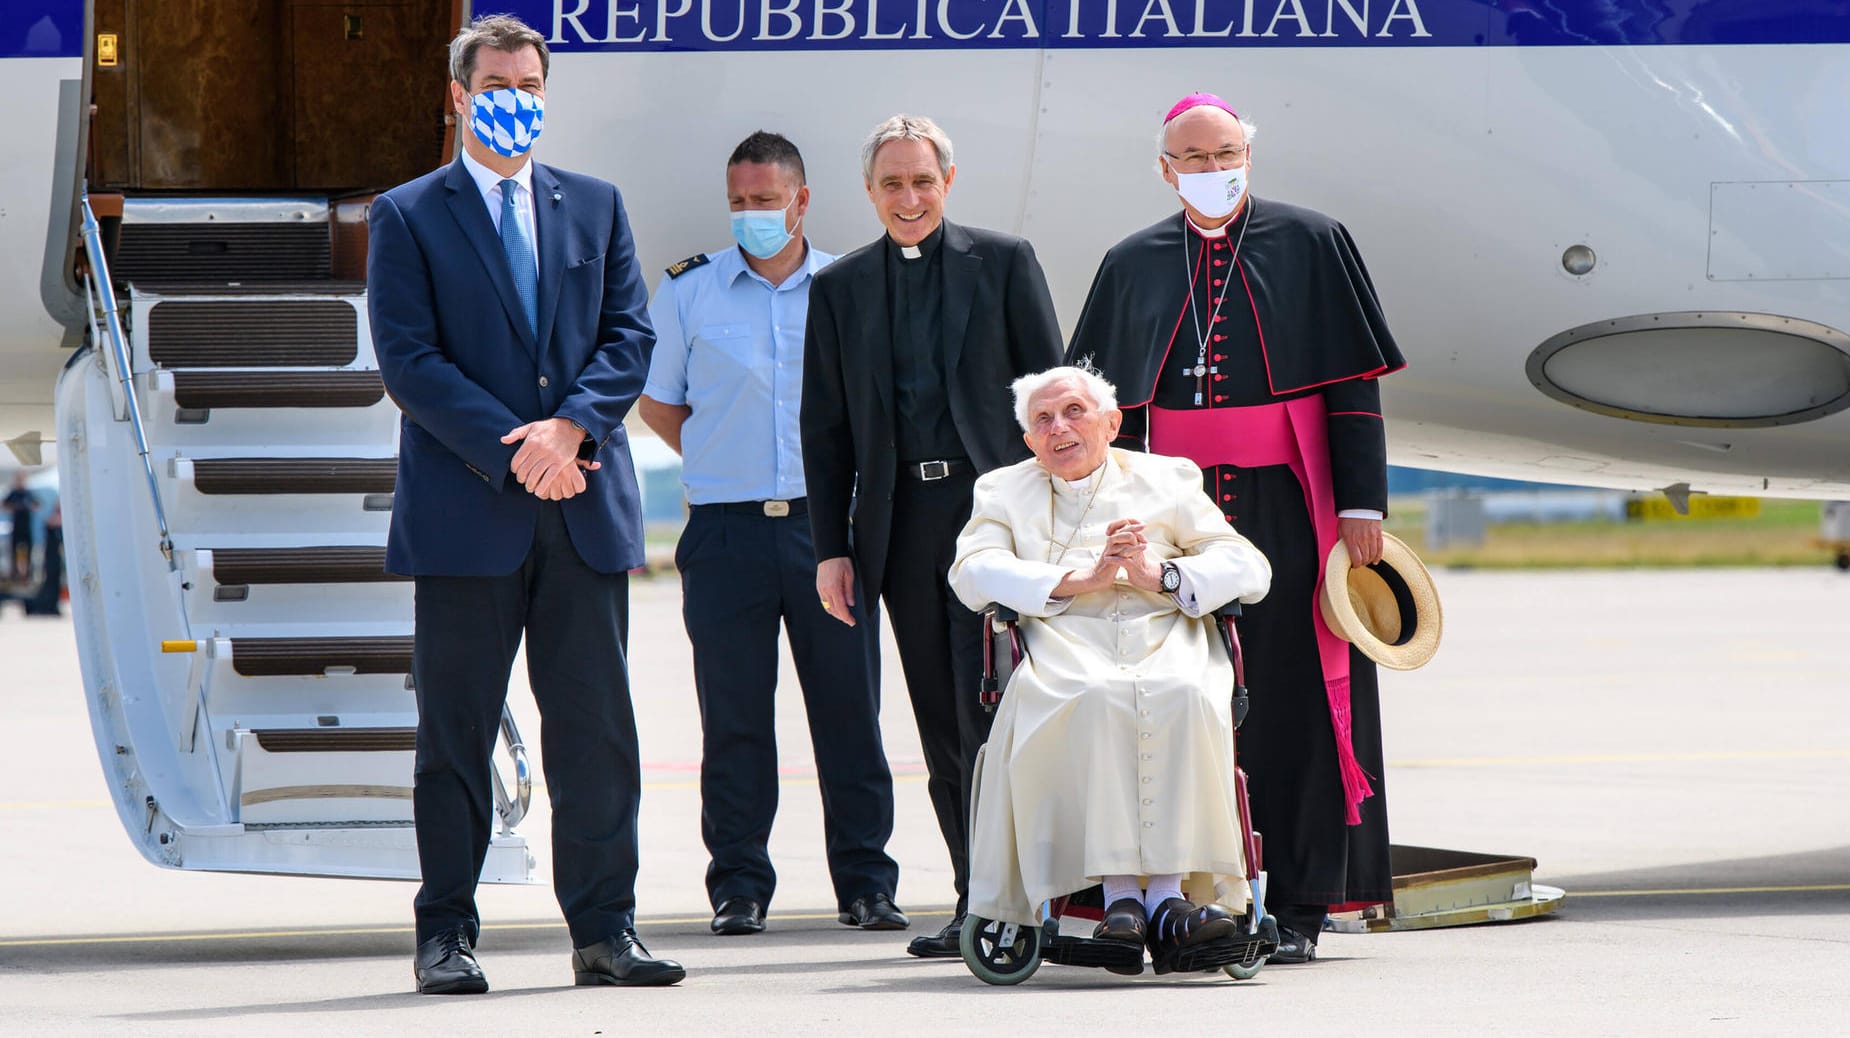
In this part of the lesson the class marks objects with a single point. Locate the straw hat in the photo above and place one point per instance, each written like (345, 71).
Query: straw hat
(1389, 610)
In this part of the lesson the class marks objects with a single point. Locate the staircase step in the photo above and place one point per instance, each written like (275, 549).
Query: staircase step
(285, 657)
(298, 251)
(234, 333)
(320, 565)
(172, 289)
(336, 740)
(295, 475)
(209, 389)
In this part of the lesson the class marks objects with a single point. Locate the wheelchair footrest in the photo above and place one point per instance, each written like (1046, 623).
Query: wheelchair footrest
(1242, 949)
(1116, 956)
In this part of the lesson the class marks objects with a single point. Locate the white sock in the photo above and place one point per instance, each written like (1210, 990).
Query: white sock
(1162, 888)
(1117, 888)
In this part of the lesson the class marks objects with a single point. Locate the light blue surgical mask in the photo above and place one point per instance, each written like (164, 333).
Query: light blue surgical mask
(761, 231)
(507, 120)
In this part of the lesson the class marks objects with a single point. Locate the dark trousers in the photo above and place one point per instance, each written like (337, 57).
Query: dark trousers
(741, 575)
(22, 547)
(940, 649)
(576, 622)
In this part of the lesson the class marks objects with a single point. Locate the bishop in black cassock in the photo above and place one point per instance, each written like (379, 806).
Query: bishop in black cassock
(1244, 334)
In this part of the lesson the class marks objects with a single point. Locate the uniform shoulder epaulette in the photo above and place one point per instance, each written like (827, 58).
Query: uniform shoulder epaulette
(675, 270)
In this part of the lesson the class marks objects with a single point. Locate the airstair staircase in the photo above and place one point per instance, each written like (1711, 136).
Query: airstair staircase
(228, 465)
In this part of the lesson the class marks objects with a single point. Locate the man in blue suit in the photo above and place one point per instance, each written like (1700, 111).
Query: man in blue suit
(510, 322)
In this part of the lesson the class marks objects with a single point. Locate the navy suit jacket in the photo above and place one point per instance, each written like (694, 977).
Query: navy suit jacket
(462, 364)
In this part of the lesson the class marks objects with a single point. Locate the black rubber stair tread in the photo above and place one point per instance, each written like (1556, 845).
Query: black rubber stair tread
(213, 250)
(209, 389)
(295, 475)
(336, 740)
(254, 333)
(283, 657)
(317, 565)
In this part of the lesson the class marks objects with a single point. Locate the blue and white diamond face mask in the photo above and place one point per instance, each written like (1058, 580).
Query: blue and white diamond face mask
(507, 120)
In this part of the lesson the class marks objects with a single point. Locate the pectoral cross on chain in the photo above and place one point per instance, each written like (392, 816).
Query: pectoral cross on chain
(1201, 372)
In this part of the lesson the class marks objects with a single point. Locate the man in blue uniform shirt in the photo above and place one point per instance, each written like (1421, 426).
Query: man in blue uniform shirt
(724, 386)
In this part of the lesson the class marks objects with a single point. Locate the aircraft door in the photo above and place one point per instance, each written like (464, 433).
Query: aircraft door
(274, 96)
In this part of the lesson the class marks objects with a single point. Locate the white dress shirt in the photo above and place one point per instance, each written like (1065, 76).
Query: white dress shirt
(489, 183)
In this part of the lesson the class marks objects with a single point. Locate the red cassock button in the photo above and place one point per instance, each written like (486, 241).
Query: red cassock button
(1217, 282)
(1220, 263)
(1218, 398)
(1220, 317)
(1226, 497)
(1220, 378)
(1220, 245)
(1220, 356)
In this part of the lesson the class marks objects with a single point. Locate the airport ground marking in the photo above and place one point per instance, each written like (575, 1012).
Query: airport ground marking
(1803, 888)
(1413, 763)
(385, 931)
(1619, 758)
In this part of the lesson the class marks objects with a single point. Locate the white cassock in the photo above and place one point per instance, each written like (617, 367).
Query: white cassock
(1112, 750)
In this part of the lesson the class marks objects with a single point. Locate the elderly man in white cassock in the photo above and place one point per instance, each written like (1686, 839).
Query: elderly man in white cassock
(1111, 757)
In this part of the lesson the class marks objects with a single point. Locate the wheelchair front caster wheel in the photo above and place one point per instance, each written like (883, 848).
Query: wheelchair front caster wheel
(1243, 971)
(999, 952)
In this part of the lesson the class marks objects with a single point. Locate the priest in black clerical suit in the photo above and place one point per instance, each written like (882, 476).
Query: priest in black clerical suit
(911, 345)
(1244, 334)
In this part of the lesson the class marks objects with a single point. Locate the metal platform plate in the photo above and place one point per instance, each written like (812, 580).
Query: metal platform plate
(1435, 888)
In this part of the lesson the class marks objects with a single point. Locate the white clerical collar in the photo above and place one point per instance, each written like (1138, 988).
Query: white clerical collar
(1085, 483)
(910, 251)
(1218, 232)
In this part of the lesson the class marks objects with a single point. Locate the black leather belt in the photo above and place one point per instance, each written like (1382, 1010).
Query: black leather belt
(932, 471)
(774, 509)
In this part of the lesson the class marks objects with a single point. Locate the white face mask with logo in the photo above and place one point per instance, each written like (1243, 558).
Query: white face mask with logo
(1213, 194)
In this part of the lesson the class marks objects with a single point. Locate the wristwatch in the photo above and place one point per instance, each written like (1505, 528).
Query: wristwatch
(1172, 578)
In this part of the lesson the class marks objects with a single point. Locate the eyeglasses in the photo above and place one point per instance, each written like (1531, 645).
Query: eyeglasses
(1202, 161)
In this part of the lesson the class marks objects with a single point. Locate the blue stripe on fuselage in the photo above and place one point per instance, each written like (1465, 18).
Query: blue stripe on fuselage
(54, 28)
(41, 29)
(821, 25)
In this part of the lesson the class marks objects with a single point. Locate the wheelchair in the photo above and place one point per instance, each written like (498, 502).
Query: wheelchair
(1003, 953)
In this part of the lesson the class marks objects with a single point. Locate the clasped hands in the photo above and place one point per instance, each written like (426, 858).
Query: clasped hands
(547, 463)
(1126, 549)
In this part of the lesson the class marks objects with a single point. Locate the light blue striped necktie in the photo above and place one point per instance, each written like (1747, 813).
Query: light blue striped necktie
(520, 256)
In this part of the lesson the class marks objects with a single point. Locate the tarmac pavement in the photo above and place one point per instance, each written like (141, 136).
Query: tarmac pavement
(1673, 746)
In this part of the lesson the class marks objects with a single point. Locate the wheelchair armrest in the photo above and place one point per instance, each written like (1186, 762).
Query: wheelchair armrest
(998, 619)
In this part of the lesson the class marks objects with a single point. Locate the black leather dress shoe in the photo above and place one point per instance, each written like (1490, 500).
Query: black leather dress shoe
(738, 915)
(1124, 921)
(446, 966)
(622, 960)
(941, 945)
(1179, 923)
(1293, 948)
(874, 912)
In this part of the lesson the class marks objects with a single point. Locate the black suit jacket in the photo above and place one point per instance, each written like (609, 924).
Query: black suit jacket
(998, 324)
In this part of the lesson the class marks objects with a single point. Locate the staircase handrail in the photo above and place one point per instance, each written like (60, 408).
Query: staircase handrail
(512, 808)
(103, 296)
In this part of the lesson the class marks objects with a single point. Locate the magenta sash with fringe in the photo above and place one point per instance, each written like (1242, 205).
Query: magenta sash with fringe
(1294, 433)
